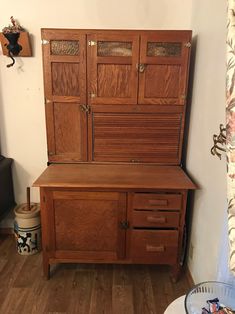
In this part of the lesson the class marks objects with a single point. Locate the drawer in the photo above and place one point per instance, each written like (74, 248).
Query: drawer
(154, 246)
(146, 201)
(155, 219)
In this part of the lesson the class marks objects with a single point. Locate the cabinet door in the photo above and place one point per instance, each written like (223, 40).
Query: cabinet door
(87, 224)
(112, 73)
(163, 69)
(64, 57)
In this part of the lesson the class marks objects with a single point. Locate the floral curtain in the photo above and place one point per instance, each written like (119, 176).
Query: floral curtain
(230, 130)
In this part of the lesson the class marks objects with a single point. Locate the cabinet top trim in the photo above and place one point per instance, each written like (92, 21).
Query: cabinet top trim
(130, 177)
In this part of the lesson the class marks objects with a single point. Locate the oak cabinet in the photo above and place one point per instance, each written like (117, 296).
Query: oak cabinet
(114, 191)
(115, 96)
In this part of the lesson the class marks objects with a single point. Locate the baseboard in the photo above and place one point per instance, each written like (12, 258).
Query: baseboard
(6, 231)
(189, 277)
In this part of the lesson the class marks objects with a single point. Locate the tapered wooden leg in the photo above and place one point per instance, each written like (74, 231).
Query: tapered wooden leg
(175, 272)
(46, 267)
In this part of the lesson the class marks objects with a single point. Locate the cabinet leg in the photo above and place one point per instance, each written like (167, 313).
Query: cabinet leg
(175, 272)
(46, 267)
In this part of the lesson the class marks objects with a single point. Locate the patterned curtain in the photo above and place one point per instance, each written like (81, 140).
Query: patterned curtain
(230, 130)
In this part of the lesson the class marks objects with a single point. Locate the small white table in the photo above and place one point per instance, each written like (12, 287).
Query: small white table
(176, 307)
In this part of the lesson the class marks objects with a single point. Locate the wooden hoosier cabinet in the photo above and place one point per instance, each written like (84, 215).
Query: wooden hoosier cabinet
(114, 190)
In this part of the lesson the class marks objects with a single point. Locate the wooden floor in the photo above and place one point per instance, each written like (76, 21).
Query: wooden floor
(82, 289)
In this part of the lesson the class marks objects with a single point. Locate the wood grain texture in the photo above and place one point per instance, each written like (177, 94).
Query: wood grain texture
(139, 137)
(164, 81)
(65, 79)
(114, 80)
(130, 177)
(84, 288)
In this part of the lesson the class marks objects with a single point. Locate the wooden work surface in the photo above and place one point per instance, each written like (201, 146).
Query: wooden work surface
(114, 176)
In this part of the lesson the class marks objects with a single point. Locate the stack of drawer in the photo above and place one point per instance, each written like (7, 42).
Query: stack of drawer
(155, 220)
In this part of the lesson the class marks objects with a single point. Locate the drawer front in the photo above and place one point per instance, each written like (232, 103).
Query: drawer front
(154, 246)
(146, 201)
(155, 219)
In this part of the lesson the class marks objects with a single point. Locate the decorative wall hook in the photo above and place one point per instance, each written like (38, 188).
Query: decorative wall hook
(14, 40)
(219, 140)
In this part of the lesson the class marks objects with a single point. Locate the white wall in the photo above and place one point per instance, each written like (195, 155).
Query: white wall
(208, 111)
(22, 122)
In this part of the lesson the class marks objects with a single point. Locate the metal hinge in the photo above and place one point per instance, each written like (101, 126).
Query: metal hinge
(183, 97)
(188, 44)
(92, 95)
(45, 41)
(92, 43)
(85, 108)
(47, 101)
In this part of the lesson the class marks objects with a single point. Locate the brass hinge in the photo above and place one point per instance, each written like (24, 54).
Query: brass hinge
(85, 108)
(50, 153)
(92, 43)
(45, 41)
(183, 97)
(188, 44)
(47, 101)
(92, 95)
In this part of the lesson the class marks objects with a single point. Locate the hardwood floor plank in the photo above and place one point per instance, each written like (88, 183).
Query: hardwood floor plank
(122, 300)
(81, 291)
(142, 291)
(14, 301)
(101, 299)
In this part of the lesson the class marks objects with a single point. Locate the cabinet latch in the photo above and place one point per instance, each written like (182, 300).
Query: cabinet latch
(124, 224)
(92, 43)
(85, 108)
(141, 67)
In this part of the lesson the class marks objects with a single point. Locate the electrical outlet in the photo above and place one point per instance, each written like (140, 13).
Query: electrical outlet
(191, 248)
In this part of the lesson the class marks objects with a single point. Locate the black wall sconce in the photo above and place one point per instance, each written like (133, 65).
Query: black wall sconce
(15, 41)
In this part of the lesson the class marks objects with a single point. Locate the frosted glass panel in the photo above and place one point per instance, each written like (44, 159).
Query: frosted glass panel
(64, 47)
(114, 49)
(163, 49)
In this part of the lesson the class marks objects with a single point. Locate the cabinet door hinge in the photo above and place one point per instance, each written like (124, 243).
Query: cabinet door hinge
(47, 101)
(92, 43)
(188, 44)
(45, 41)
(92, 95)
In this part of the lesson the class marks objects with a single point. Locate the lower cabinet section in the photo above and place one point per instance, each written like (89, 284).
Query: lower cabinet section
(112, 227)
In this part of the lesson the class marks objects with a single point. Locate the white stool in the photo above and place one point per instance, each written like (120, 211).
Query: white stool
(176, 307)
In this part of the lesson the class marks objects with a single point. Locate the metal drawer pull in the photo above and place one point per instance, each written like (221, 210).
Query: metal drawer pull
(158, 202)
(151, 248)
(156, 219)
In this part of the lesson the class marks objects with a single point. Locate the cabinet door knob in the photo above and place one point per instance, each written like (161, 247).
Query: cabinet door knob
(124, 224)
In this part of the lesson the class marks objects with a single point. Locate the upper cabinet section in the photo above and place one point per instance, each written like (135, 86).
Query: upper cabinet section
(163, 68)
(115, 95)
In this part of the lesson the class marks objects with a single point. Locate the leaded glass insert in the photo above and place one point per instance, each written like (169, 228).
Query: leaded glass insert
(157, 49)
(64, 47)
(114, 49)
